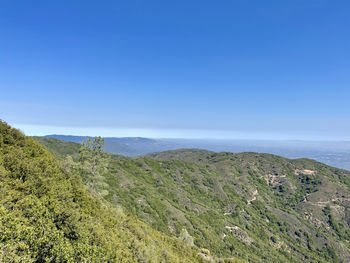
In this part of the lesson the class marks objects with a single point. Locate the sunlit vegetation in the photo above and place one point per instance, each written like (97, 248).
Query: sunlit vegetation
(47, 215)
(248, 206)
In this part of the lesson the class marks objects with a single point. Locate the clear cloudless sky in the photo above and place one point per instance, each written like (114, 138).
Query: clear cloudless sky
(199, 69)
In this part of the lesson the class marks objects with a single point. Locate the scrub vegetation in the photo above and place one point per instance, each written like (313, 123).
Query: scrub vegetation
(248, 206)
(47, 215)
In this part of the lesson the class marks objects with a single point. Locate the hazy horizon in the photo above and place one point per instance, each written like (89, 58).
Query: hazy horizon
(39, 130)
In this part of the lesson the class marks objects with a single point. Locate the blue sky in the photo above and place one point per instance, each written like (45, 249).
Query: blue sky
(196, 69)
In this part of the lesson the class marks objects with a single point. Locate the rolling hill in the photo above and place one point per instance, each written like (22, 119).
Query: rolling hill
(250, 206)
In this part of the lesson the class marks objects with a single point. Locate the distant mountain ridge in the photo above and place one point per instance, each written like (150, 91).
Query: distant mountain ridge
(336, 154)
(128, 146)
(79, 139)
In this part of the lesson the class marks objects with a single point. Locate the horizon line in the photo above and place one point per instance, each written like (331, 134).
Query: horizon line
(191, 134)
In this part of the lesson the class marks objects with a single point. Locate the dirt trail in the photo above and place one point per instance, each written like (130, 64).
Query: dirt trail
(325, 203)
(255, 193)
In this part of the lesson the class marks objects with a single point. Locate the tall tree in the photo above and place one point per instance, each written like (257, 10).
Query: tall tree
(93, 162)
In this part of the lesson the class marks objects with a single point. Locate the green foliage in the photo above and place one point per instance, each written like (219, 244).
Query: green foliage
(339, 228)
(59, 148)
(46, 215)
(248, 206)
(93, 163)
(330, 254)
(186, 237)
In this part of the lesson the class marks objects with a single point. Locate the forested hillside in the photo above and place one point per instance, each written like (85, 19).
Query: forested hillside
(256, 207)
(46, 215)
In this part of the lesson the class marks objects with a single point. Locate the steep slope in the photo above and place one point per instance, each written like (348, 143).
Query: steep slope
(258, 207)
(48, 216)
(58, 147)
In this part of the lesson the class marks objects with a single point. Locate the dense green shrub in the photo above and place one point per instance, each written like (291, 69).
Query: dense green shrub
(47, 215)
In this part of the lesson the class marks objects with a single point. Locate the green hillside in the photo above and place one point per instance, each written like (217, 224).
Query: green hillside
(257, 207)
(59, 148)
(48, 216)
